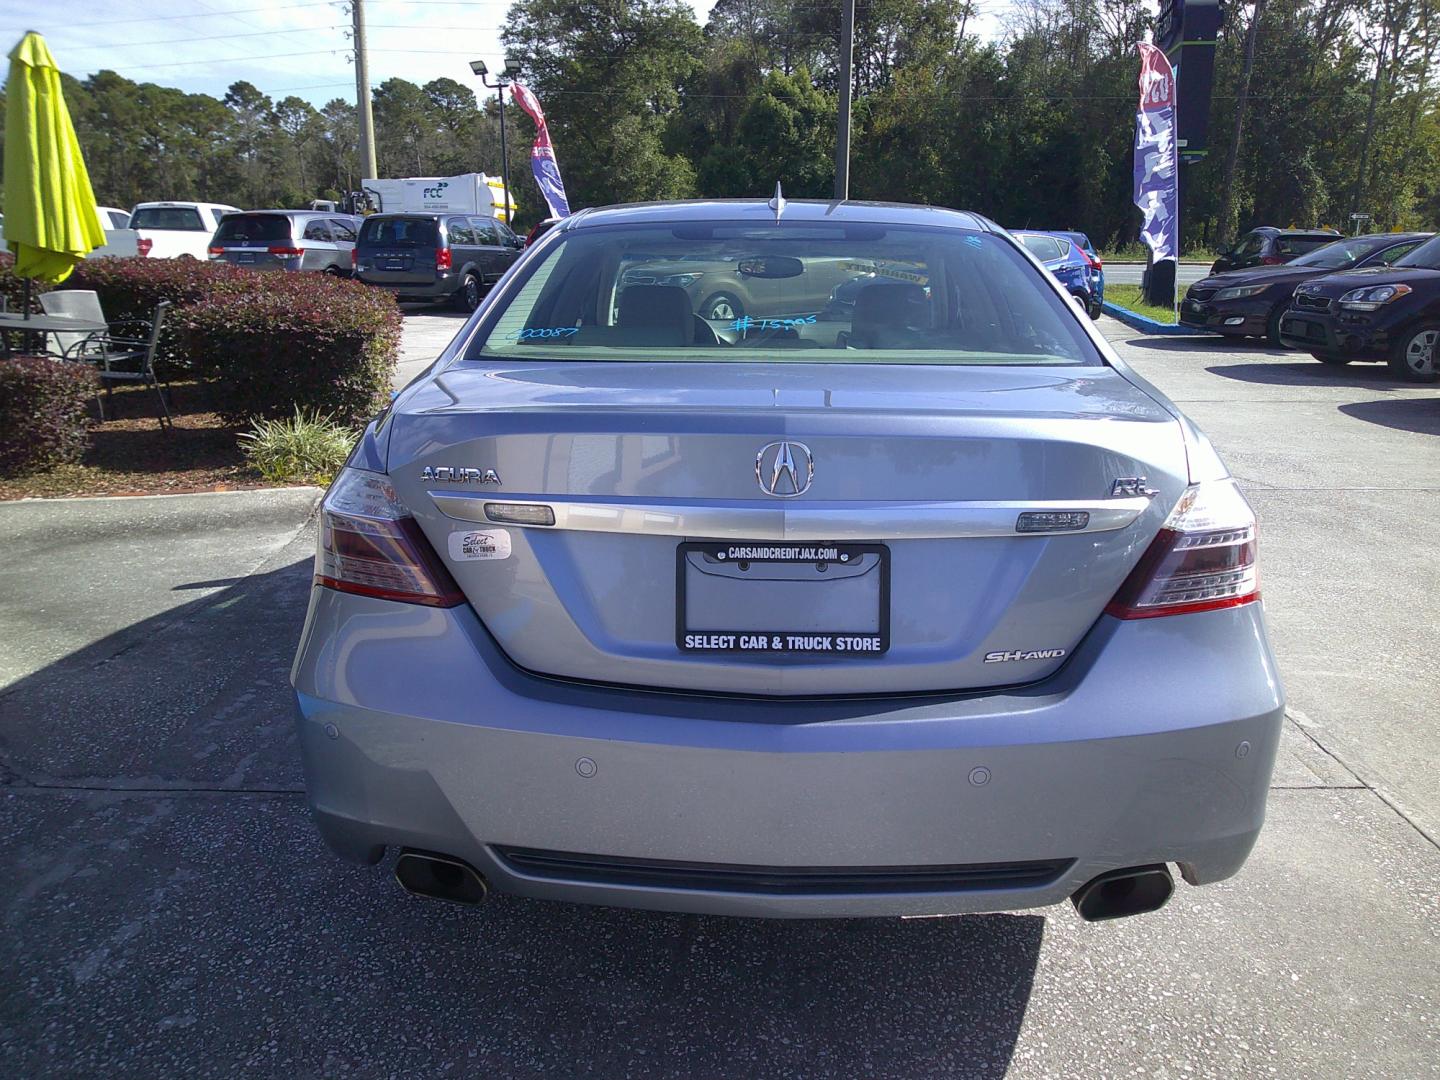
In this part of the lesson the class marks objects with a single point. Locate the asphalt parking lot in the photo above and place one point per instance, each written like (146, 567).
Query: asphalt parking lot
(168, 910)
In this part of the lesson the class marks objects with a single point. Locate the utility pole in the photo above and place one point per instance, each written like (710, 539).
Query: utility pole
(368, 169)
(842, 123)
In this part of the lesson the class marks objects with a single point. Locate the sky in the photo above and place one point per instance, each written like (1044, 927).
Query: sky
(284, 47)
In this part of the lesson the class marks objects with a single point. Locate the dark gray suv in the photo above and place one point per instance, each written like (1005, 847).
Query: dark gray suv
(435, 256)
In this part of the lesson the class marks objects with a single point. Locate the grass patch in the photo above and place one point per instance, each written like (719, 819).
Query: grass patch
(302, 449)
(1138, 252)
(1128, 296)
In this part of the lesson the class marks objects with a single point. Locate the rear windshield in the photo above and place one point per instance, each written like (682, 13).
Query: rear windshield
(1044, 248)
(179, 218)
(1342, 253)
(801, 292)
(399, 232)
(1425, 257)
(1298, 245)
(242, 227)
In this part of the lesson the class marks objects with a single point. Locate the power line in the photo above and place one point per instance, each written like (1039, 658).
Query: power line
(218, 61)
(426, 26)
(216, 13)
(183, 41)
(312, 86)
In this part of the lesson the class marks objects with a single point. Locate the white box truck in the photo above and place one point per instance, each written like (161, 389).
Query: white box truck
(468, 193)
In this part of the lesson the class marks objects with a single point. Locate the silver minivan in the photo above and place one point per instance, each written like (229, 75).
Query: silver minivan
(286, 240)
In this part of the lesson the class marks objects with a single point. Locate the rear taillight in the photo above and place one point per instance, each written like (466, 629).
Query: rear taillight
(371, 546)
(354, 258)
(216, 252)
(1203, 558)
(1091, 261)
(283, 251)
(143, 246)
(442, 259)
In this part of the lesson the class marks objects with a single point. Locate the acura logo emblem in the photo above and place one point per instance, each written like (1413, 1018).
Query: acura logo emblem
(784, 469)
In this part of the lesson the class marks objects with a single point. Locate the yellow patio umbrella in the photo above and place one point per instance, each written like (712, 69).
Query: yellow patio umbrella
(50, 218)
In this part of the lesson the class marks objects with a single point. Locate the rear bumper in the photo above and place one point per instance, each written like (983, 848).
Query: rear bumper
(1152, 745)
(440, 289)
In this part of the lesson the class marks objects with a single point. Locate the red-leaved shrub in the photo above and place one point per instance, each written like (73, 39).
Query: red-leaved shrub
(12, 288)
(43, 405)
(294, 341)
(129, 290)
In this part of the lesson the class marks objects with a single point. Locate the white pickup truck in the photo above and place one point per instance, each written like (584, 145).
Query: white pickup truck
(177, 230)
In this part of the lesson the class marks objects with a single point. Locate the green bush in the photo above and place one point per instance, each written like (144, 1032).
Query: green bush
(301, 449)
(284, 342)
(43, 406)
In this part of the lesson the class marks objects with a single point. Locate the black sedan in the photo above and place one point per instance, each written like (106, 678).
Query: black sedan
(1389, 313)
(1249, 303)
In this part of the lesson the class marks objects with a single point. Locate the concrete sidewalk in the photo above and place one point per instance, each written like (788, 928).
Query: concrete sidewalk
(428, 330)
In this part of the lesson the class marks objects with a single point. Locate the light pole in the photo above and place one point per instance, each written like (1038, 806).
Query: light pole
(512, 69)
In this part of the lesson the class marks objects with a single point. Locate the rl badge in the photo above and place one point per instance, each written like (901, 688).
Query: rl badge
(480, 544)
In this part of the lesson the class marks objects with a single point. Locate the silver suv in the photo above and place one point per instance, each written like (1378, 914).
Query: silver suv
(286, 240)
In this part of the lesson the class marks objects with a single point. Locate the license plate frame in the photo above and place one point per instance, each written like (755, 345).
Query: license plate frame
(837, 644)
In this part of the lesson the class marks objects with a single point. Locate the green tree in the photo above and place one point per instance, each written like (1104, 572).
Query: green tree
(610, 73)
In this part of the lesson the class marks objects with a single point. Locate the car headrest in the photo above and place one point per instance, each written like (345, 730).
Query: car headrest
(891, 305)
(658, 307)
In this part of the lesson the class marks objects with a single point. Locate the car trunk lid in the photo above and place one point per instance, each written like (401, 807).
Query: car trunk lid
(905, 538)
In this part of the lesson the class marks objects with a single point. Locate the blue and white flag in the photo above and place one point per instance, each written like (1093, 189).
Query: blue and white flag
(1157, 182)
(542, 155)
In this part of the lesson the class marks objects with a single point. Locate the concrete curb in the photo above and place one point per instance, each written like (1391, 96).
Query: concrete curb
(1144, 325)
(315, 490)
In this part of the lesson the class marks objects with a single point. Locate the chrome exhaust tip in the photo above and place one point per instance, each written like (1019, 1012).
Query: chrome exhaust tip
(440, 877)
(1118, 893)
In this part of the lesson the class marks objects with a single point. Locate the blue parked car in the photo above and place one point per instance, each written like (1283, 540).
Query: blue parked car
(1097, 266)
(1069, 263)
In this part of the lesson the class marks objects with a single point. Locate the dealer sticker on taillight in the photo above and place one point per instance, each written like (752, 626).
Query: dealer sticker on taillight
(478, 544)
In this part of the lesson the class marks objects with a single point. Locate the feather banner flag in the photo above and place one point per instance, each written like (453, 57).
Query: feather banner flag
(1157, 181)
(542, 155)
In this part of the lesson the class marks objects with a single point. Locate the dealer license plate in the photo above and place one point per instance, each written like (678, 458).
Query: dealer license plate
(816, 599)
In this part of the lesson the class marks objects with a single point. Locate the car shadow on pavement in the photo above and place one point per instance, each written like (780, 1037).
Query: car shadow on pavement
(197, 695)
(448, 311)
(1406, 414)
(170, 903)
(1312, 373)
(1197, 343)
(646, 993)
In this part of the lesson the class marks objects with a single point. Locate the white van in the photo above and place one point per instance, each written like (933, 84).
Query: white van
(177, 230)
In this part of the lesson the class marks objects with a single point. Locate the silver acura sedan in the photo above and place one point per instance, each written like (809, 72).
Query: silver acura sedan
(928, 606)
